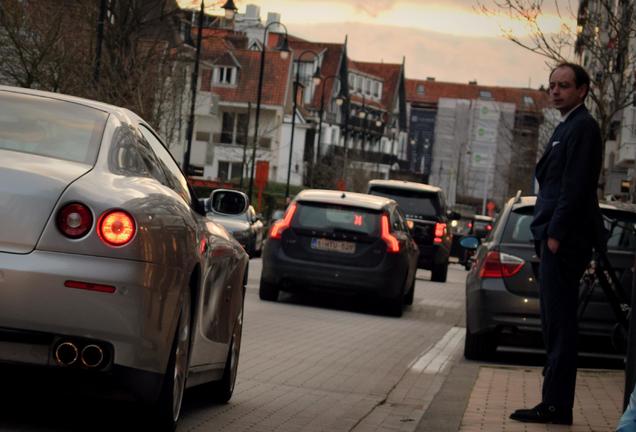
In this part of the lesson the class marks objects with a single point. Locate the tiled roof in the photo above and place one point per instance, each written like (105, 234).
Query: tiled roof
(433, 90)
(275, 76)
(388, 72)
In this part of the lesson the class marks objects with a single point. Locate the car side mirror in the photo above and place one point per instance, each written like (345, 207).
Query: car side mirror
(228, 201)
(470, 243)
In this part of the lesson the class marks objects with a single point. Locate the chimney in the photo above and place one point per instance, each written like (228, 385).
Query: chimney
(273, 17)
(430, 78)
(252, 12)
(473, 82)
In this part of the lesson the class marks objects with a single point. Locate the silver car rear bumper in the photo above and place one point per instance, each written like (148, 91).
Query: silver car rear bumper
(138, 319)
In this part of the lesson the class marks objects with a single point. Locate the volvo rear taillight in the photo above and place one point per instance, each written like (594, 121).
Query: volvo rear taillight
(500, 265)
(440, 230)
(277, 229)
(74, 220)
(392, 243)
(116, 227)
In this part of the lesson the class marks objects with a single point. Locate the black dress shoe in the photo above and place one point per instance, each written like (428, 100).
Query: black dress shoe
(543, 413)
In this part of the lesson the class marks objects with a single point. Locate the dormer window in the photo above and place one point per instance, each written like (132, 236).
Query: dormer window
(528, 101)
(420, 89)
(224, 75)
(485, 94)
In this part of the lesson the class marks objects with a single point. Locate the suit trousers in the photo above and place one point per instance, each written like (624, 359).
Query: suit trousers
(559, 277)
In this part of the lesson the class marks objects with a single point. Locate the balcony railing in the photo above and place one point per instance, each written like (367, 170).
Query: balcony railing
(226, 138)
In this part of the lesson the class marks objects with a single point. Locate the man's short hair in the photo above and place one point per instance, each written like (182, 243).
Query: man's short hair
(581, 77)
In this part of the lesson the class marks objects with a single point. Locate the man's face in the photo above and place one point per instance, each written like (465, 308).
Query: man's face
(563, 91)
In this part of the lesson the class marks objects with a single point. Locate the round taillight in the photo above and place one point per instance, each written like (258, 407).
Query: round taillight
(116, 227)
(74, 220)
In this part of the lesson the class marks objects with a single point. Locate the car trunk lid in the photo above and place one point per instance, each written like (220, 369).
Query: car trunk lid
(335, 234)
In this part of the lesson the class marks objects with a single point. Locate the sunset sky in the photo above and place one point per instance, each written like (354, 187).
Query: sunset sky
(446, 39)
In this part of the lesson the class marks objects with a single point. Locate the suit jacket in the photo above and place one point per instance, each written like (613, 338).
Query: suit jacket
(567, 206)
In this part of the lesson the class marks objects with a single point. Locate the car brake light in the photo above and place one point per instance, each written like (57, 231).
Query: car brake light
(500, 265)
(74, 220)
(392, 243)
(116, 227)
(277, 229)
(440, 230)
(488, 227)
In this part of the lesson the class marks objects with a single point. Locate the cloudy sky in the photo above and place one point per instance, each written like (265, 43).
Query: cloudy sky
(446, 39)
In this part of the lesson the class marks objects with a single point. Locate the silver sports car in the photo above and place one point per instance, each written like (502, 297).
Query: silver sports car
(108, 265)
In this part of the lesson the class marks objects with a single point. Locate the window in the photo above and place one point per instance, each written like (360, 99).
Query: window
(224, 75)
(234, 128)
(359, 84)
(202, 136)
(376, 89)
(352, 80)
(177, 181)
(485, 94)
(367, 86)
(229, 170)
(420, 89)
(528, 101)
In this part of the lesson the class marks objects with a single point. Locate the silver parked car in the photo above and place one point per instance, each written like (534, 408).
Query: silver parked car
(109, 267)
(247, 228)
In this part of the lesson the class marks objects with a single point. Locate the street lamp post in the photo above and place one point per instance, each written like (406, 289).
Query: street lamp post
(316, 78)
(339, 101)
(284, 50)
(230, 10)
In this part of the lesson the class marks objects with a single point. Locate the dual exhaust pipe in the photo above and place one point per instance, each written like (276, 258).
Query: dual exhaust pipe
(90, 356)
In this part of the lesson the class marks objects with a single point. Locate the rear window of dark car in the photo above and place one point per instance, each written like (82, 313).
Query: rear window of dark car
(334, 218)
(414, 204)
(49, 127)
(622, 235)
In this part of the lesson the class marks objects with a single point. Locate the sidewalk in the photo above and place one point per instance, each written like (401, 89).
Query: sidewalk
(485, 395)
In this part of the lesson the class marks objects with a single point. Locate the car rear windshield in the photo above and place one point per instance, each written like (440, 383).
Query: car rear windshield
(336, 218)
(50, 127)
(414, 204)
(622, 234)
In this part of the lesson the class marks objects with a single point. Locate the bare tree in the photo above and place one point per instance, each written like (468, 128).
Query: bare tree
(595, 33)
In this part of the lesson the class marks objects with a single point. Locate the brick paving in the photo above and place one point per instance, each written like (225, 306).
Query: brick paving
(500, 390)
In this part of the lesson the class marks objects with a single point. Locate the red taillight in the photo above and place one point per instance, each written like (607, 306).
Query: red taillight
(280, 226)
(440, 230)
(488, 227)
(74, 220)
(500, 265)
(470, 225)
(392, 243)
(116, 227)
(90, 286)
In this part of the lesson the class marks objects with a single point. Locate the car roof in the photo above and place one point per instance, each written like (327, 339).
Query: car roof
(403, 184)
(353, 199)
(111, 109)
(527, 201)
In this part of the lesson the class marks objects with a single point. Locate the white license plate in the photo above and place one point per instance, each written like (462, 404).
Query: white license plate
(333, 245)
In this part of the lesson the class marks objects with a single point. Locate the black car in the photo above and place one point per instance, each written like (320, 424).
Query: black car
(247, 228)
(428, 218)
(341, 242)
(502, 298)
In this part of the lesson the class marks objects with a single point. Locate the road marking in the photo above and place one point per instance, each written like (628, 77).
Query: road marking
(450, 304)
(436, 359)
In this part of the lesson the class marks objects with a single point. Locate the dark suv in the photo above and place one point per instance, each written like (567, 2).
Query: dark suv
(341, 242)
(502, 292)
(427, 216)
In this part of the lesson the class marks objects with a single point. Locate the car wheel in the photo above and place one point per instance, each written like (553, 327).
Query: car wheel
(221, 391)
(408, 298)
(268, 291)
(395, 305)
(168, 407)
(439, 272)
(480, 346)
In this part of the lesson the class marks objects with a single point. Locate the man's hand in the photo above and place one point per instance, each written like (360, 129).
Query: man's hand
(553, 245)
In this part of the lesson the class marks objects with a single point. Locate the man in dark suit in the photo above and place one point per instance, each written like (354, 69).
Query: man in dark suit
(567, 224)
